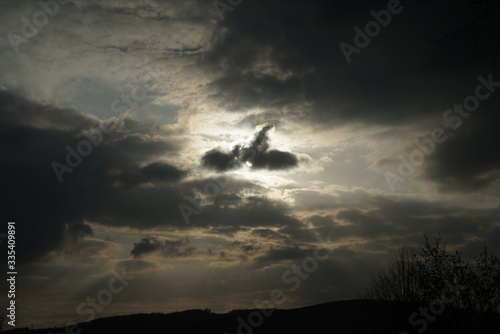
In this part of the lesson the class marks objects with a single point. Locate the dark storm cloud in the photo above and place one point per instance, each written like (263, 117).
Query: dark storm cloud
(219, 161)
(162, 171)
(266, 233)
(274, 160)
(402, 221)
(230, 189)
(102, 188)
(227, 230)
(157, 172)
(145, 246)
(281, 254)
(245, 247)
(78, 230)
(257, 153)
(292, 59)
(251, 212)
(167, 248)
(227, 199)
(463, 159)
(468, 160)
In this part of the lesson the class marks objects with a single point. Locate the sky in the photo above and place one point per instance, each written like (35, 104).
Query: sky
(159, 156)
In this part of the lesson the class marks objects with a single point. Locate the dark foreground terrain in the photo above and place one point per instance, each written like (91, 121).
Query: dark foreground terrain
(355, 316)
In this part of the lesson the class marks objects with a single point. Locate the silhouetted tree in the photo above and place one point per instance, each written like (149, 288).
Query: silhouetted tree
(398, 282)
(486, 287)
(470, 291)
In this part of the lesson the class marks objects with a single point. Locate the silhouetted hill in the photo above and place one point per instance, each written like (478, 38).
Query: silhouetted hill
(354, 316)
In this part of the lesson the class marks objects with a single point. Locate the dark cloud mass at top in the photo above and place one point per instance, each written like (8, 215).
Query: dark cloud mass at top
(398, 78)
(257, 154)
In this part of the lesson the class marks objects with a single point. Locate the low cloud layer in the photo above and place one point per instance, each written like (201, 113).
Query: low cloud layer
(166, 248)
